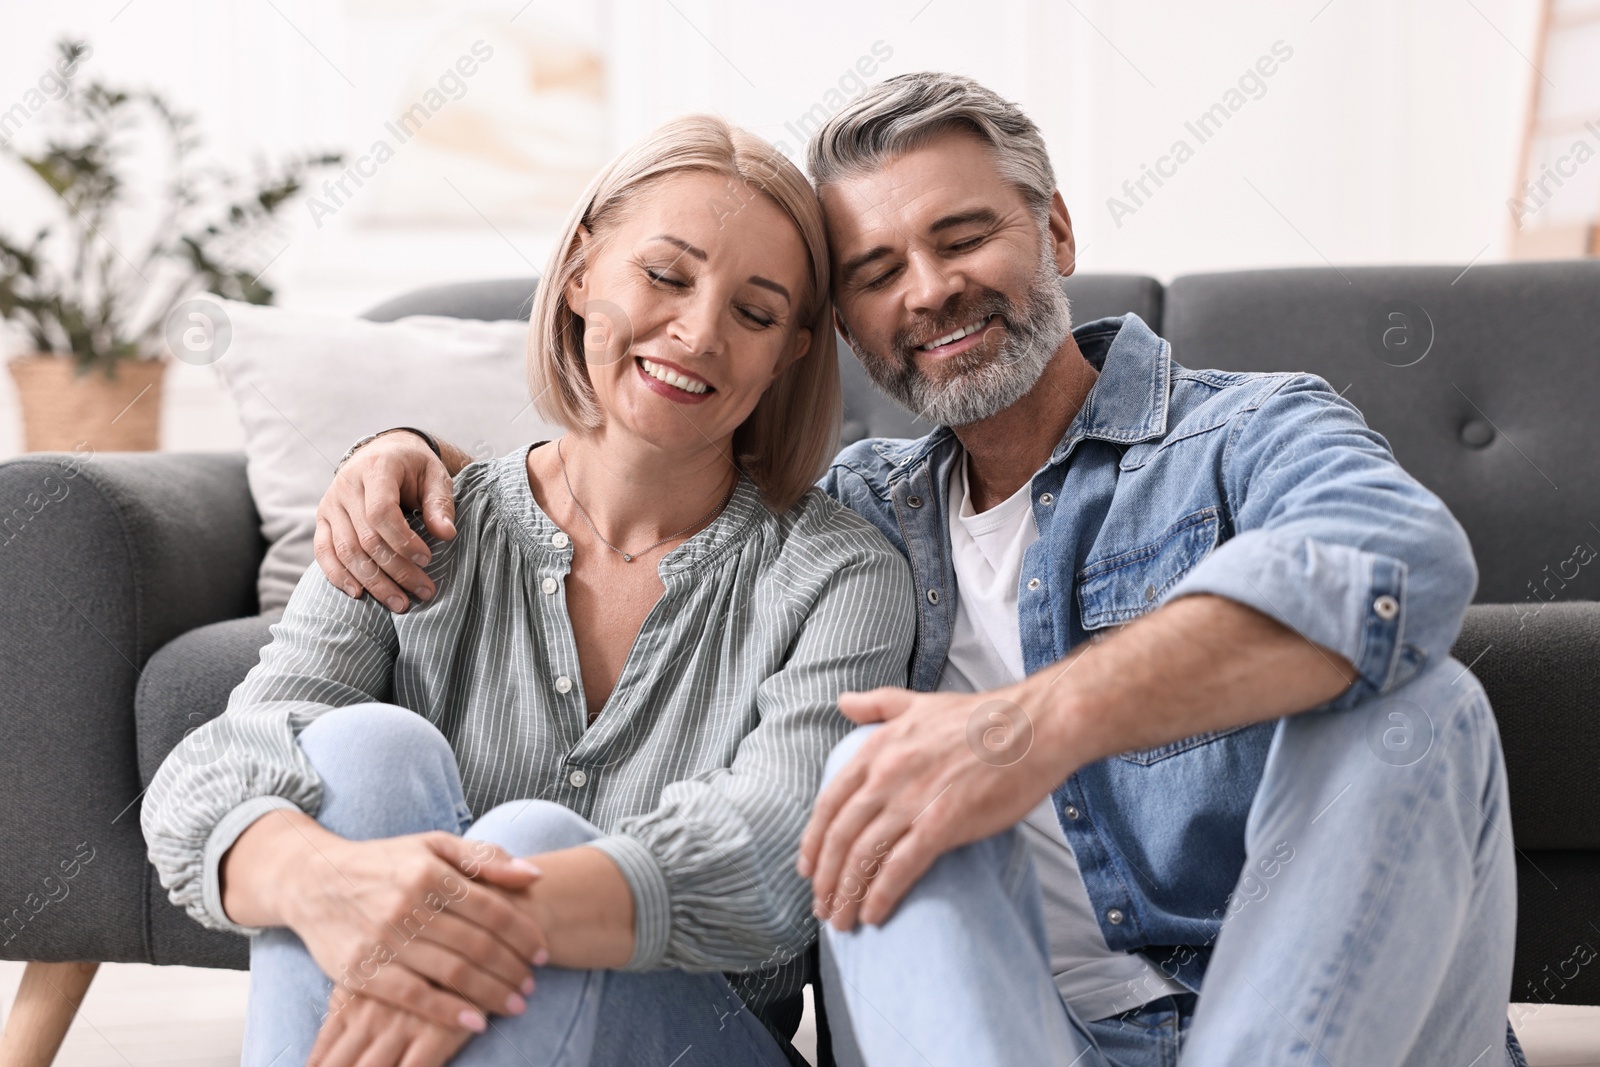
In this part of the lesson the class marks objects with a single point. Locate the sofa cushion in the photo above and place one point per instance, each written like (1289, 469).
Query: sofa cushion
(183, 686)
(1485, 382)
(307, 385)
(1541, 669)
(186, 685)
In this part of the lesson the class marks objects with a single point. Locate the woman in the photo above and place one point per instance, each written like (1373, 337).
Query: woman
(621, 695)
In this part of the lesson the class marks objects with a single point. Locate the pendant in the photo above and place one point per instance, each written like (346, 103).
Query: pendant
(627, 558)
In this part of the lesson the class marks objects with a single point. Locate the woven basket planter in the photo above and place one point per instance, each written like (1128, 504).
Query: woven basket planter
(62, 409)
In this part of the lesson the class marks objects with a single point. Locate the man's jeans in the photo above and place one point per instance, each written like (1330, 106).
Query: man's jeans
(385, 772)
(1387, 938)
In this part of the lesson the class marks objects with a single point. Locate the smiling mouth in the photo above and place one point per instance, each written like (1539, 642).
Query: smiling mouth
(952, 338)
(673, 378)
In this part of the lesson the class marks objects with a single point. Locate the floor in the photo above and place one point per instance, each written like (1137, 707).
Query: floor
(137, 1015)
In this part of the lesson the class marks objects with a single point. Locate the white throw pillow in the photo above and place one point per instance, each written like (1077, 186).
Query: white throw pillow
(308, 385)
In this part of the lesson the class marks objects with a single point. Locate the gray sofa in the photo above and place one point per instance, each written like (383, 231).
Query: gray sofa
(128, 604)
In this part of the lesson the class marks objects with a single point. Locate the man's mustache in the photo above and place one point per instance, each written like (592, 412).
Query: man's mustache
(992, 303)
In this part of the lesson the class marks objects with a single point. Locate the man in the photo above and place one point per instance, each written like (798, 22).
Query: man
(1183, 711)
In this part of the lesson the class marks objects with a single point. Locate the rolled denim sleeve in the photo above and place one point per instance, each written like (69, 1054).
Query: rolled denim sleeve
(1335, 540)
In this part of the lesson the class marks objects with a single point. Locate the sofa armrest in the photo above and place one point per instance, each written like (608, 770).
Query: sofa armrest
(103, 560)
(1540, 664)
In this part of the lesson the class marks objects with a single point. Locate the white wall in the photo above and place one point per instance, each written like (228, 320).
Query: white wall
(1389, 135)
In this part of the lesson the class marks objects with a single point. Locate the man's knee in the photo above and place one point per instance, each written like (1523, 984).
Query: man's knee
(1441, 713)
(847, 748)
(527, 827)
(1434, 736)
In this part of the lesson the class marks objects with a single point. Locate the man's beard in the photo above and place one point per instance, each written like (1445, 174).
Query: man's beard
(977, 386)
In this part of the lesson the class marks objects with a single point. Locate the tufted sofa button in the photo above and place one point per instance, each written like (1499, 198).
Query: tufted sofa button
(1477, 433)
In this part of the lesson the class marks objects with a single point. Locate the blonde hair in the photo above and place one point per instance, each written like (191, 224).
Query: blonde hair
(787, 441)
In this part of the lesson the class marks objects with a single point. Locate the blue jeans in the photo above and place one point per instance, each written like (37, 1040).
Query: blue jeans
(386, 772)
(1387, 940)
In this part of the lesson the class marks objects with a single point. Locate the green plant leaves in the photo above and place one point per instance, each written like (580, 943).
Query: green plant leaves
(72, 288)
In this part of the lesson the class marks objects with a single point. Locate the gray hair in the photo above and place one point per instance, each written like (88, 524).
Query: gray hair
(908, 110)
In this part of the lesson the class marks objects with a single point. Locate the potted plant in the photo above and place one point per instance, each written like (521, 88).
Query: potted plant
(92, 302)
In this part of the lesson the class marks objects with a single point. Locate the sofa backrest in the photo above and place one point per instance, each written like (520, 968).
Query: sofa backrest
(1486, 382)
(867, 412)
(495, 300)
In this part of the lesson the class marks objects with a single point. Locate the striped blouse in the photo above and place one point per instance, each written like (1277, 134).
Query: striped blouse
(701, 767)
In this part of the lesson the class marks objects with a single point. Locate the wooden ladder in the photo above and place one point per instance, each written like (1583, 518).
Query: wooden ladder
(1555, 205)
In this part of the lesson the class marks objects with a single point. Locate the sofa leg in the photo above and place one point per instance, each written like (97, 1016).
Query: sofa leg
(46, 1002)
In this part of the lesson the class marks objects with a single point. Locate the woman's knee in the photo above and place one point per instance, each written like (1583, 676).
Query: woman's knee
(526, 827)
(385, 771)
(374, 732)
(847, 748)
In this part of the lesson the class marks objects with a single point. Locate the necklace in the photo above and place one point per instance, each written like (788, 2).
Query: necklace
(629, 557)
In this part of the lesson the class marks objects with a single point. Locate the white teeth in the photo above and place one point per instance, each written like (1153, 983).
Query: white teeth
(662, 374)
(955, 336)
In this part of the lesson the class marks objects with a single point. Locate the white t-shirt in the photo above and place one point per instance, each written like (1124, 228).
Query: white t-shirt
(986, 653)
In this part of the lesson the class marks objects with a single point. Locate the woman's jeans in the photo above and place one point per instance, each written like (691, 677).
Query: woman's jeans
(386, 772)
(1387, 942)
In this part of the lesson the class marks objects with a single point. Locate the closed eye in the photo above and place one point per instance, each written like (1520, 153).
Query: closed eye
(877, 283)
(662, 279)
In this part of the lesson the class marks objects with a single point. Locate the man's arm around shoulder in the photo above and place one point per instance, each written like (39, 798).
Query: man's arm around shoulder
(363, 542)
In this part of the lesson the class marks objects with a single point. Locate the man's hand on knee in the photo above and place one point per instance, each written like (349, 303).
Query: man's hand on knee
(363, 541)
(945, 769)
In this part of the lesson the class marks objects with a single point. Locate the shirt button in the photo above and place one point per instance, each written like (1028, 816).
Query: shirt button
(1047, 499)
(578, 778)
(563, 684)
(933, 596)
(560, 540)
(914, 501)
(1070, 812)
(1386, 607)
(1114, 916)
(1033, 583)
(549, 585)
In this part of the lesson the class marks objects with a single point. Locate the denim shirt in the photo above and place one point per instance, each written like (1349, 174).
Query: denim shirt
(1268, 489)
